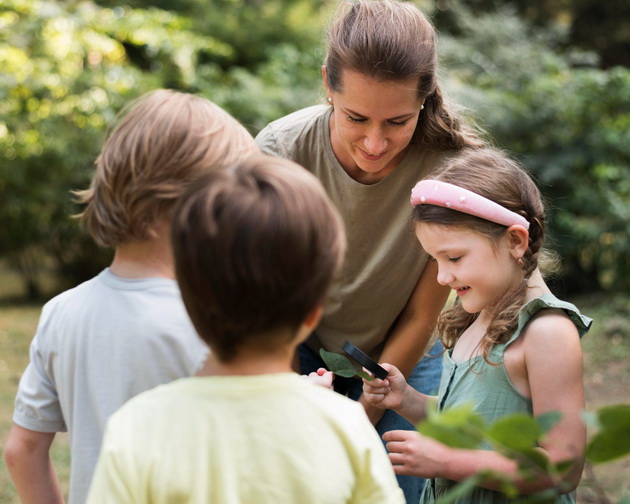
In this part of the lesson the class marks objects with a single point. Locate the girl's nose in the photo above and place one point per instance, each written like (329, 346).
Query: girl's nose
(444, 277)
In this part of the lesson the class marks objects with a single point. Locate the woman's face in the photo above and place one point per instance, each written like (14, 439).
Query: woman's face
(372, 124)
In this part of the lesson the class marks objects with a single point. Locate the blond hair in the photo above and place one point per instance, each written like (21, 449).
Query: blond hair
(390, 40)
(163, 141)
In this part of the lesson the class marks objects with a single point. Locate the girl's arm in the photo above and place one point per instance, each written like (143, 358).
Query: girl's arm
(413, 329)
(550, 357)
(396, 394)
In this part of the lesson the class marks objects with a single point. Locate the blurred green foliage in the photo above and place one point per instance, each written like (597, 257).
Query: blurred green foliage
(568, 123)
(517, 437)
(69, 66)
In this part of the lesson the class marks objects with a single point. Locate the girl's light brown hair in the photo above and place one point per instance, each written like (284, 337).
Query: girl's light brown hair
(256, 246)
(494, 175)
(391, 40)
(163, 141)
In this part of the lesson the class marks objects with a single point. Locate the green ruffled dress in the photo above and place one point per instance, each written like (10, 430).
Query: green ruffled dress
(491, 391)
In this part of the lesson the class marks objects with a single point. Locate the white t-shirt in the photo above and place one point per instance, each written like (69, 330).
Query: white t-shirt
(265, 439)
(96, 346)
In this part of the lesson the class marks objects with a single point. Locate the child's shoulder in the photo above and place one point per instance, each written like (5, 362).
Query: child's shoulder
(547, 314)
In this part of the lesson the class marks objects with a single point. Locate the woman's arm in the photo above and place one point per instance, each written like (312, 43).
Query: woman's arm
(413, 329)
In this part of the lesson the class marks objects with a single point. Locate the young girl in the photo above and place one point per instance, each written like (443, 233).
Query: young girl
(512, 346)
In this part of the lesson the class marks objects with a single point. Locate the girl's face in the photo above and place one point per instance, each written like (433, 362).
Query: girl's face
(480, 270)
(372, 124)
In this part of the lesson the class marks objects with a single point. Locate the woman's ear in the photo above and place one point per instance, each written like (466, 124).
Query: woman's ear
(519, 240)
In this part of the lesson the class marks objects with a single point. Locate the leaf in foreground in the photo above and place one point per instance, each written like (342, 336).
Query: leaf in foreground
(341, 365)
(612, 441)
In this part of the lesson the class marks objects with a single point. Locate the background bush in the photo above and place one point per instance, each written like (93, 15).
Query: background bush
(531, 80)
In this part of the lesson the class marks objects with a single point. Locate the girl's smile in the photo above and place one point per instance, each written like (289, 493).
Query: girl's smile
(480, 270)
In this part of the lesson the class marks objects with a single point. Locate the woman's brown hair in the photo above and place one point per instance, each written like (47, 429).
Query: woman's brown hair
(391, 40)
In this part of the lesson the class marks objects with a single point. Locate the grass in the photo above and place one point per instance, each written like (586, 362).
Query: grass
(607, 381)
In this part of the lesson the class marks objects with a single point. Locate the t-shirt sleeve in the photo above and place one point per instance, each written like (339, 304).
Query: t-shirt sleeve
(268, 143)
(37, 405)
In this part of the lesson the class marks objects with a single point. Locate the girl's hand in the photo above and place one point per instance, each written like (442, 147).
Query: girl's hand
(321, 377)
(387, 393)
(413, 454)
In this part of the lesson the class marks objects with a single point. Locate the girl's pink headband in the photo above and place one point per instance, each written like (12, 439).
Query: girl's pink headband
(434, 192)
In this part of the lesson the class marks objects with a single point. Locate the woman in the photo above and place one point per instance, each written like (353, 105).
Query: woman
(385, 127)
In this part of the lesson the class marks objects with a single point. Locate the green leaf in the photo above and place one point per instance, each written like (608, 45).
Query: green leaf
(515, 432)
(548, 421)
(365, 375)
(457, 427)
(461, 490)
(545, 497)
(341, 365)
(533, 459)
(613, 439)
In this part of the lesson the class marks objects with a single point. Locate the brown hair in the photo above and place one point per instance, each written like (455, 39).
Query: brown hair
(163, 141)
(391, 40)
(256, 246)
(492, 174)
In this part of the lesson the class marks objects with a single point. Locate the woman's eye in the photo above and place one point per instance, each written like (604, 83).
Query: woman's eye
(355, 119)
(398, 123)
(454, 259)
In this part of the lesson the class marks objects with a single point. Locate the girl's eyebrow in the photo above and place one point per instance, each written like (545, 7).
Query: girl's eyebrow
(397, 118)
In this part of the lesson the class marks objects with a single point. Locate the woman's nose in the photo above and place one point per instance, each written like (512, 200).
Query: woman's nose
(375, 142)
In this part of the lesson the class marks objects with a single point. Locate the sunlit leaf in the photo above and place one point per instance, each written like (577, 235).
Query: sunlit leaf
(458, 427)
(613, 438)
(549, 420)
(515, 432)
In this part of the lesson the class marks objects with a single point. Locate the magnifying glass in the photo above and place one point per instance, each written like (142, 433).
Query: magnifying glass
(365, 361)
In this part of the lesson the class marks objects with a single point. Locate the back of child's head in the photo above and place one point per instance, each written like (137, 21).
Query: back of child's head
(256, 247)
(163, 141)
(492, 174)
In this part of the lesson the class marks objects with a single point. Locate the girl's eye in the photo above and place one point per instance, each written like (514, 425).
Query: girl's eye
(454, 259)
(398, 123)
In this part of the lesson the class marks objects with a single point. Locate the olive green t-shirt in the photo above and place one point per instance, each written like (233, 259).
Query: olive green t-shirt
(384, 259)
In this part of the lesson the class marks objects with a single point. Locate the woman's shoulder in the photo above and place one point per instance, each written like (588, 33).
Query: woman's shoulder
(298, 120)
(296, 130)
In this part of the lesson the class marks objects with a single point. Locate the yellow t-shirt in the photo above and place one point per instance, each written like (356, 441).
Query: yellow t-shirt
(242, 439)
